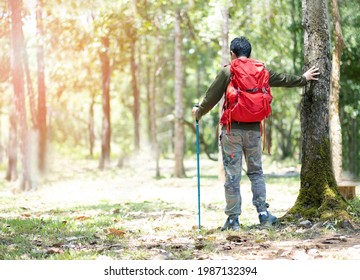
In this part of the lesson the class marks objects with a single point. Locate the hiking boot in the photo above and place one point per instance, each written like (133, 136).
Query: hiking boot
(267, 219)
(232, 223)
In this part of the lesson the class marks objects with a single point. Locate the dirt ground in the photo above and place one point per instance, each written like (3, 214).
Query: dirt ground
(65, 188)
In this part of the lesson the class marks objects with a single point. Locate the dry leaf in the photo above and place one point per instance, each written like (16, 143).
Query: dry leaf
(116, 232)
(331, 241)
(26, 215)
(199, 246)
(82, 218)
(54, 250)
(211, 238)
(37, 242)
(236, 239)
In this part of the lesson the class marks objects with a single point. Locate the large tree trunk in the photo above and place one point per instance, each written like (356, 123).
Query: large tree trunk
(106, 124)
(19, 90)
(41, 89)
(335, 126)
(318, 197)
(179, 140)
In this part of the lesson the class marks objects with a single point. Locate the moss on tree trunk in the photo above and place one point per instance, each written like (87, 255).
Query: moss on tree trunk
(319, 198)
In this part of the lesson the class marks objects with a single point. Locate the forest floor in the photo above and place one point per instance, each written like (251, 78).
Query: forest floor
(80, 212)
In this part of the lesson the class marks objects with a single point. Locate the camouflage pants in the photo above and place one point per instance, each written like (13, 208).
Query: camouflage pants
(234, 145)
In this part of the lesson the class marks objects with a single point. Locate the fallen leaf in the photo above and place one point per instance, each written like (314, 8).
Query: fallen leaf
(236, 239)
(211, 238)
(54, 250)
(197, 227)
(177, 246)
(228, 247)
(331, 241)
(203, 257)
(82, 218)
(26, 215)
(115, 232)
(37, 242)
(59, 244)
(116, 211)
(199, 246)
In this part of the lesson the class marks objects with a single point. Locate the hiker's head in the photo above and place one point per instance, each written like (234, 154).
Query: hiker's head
(240, 46)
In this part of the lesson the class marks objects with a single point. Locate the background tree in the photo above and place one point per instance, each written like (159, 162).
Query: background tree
(335, 126)
(42, 123)
(19, 90)
(179, 141)
(106, 123)
(152, 99)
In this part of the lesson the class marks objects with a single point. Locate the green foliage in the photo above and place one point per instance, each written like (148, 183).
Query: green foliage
(349, 101)
(72, 41)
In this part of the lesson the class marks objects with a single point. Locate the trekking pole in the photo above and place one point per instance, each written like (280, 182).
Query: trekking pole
(198, 166)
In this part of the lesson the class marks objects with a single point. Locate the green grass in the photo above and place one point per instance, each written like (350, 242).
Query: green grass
(144, 225)
(77, 233)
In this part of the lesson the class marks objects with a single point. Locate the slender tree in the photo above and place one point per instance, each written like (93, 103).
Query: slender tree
(135, 89)
(179, 107)
(11, 170)
(42, 124)
(153, 112)
(335, 126)
(91, 124)
(319, 196)
(106, 124)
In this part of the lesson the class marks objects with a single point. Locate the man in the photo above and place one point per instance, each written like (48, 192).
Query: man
(244, 139)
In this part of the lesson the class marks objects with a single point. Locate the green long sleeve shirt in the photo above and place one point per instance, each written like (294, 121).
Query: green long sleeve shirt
(219, 85)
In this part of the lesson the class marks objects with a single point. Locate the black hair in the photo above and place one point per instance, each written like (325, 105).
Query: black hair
(240, 46)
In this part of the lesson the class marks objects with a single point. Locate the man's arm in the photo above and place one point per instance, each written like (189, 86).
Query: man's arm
(213, 93)
(286, 80)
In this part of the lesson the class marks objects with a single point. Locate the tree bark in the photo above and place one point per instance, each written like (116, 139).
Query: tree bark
(42, 123)
(318, 197)
(335, 126)
(179, 141)
(30, 91)
(11, 170)
(106, 124)
(19, 89)
(136, 93)
(91, 125)
(153, 94)
(148, 85)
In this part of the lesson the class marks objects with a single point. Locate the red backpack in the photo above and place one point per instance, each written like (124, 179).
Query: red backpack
(248, 95)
